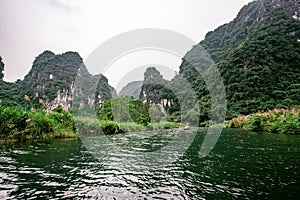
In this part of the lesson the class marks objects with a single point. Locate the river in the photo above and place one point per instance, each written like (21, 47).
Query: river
(153, 165)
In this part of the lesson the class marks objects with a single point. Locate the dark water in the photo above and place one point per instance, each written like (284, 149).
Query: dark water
(156, 165)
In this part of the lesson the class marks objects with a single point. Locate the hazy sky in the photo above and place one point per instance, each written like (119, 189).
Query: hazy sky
(28, 27)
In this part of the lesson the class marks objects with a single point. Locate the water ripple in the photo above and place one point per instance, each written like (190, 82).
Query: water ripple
(151, 166)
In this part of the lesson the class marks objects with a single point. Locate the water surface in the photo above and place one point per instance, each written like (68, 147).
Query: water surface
(153, 165)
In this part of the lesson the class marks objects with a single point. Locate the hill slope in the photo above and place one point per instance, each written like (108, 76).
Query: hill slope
(258, 55)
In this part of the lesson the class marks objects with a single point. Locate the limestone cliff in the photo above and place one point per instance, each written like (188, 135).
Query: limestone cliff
(59, 80)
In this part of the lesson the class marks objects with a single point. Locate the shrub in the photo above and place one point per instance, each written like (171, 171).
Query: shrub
(272, 121)
(19, 124)
(170, 125)
(254, 123)
(109, 127)
(40, 124)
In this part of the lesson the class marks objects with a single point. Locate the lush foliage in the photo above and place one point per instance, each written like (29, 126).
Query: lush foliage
(264, 74)
(123, 114)
(272, 121)
(51, 73)
(124, 109)
(35, 123)
(109, 127)
(90, 126)
(258, 55)
(153, 86)
(22, 124)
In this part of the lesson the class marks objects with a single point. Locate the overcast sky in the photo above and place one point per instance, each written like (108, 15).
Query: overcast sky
(28, 27)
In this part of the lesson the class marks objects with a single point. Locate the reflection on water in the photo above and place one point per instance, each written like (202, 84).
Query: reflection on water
(164, 165)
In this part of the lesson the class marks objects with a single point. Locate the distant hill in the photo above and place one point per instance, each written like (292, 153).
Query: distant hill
(132, 89)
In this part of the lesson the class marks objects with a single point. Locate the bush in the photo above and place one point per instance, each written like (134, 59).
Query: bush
(20, 124)
(254, 123)
(12, 120)
(170, 125)
(65, 119)
(272, 121)
(109, 127)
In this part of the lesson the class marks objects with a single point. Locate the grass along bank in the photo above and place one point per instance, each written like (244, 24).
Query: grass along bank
(286, 121)
(94, 126)
(21, 124)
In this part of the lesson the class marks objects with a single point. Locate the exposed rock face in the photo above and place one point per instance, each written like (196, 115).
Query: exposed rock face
(63, 80)
(52, 77)
(1, 69)
(103, 91)
(62, 98)
(153, 86)
(153, 89)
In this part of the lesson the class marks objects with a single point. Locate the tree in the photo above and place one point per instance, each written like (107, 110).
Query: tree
(124, 109)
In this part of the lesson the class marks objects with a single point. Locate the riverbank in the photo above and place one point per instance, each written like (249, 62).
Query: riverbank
(19, 124)
(93, 126)
(284, 121)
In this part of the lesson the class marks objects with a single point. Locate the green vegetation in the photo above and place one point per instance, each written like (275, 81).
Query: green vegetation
(92, 126)
(17, 123)
(119, 115)
(258, 55)
(52, 75)
(126, 114)
(271, 121)
(124, 109)
(30, 123)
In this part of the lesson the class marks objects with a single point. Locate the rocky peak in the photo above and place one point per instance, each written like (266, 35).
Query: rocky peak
(53, 78)
(1, 69)
(52, 75)
(153, 85)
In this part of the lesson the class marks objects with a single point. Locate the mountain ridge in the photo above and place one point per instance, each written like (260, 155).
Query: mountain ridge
(258, 56)
(53, 78)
